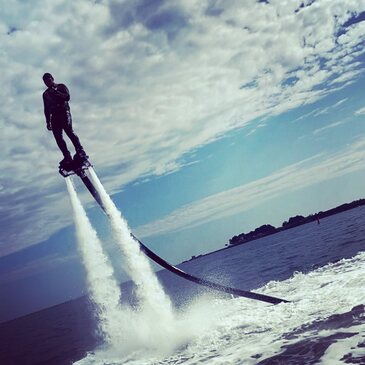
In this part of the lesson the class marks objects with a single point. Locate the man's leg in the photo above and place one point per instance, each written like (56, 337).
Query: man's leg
(57, 132)
(71, 134)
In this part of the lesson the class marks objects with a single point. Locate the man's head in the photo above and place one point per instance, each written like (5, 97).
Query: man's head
(48, 79)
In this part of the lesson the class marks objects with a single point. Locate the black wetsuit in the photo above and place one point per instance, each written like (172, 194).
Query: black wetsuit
(58, 115)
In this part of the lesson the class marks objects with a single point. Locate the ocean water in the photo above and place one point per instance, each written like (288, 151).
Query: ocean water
(319, 268)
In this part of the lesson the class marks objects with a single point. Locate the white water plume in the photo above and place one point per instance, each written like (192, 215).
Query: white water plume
(102, 285)
(155, 306)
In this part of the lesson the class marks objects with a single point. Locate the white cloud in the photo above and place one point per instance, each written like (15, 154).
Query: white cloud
(242, 198)
(329, 108)
(149, 82)
(329, 126)
(360, 111)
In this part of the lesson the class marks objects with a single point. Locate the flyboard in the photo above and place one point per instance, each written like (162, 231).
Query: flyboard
(79, 167)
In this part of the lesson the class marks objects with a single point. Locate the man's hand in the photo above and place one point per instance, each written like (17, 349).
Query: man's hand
(54, 91)
(49, 126)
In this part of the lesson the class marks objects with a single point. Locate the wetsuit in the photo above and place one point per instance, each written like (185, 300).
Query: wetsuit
(58, 115)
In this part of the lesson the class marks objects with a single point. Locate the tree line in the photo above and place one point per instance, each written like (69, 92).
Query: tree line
(298, 220)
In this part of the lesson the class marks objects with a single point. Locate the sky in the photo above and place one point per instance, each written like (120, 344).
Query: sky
(203, 119)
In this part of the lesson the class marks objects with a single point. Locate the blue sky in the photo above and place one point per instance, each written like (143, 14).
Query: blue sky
(204, 119)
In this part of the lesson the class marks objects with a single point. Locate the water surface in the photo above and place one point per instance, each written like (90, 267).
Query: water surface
(319, 268)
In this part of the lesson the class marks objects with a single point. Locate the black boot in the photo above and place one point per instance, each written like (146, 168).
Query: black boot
(67, 161)
(80, 153)
(80, 158)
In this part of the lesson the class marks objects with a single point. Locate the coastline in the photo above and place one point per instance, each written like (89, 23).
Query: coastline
(292, 222)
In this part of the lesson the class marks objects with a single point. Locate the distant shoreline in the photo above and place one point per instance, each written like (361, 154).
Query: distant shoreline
(267, 229)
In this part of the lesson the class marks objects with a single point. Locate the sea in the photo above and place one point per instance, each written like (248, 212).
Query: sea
(319, 268)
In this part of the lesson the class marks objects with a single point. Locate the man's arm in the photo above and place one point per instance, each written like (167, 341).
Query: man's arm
(62, 91)
(47, 113)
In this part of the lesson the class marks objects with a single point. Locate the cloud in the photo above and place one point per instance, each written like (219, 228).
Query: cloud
(156, 16)
(329, 108)
(329, 126)
(151, 81)
(228, 203)
(360, 111)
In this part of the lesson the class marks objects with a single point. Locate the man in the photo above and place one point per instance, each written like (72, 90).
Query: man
(58, 117)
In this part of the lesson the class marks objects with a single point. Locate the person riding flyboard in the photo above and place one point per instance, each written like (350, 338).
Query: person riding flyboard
(58, 119)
